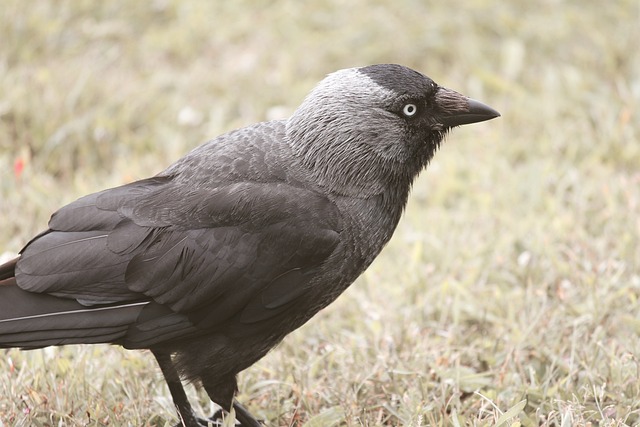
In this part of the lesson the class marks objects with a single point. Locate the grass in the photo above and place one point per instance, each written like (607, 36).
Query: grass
(509, 293)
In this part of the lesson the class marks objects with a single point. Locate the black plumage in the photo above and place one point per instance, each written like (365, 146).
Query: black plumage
(213, 261)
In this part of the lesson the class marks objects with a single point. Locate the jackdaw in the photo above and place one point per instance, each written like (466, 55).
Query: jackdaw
(213, 261)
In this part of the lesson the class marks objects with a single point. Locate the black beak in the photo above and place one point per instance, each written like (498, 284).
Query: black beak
(459, 110)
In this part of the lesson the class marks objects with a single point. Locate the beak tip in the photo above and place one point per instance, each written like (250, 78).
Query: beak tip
(476, 112)
(479, 110)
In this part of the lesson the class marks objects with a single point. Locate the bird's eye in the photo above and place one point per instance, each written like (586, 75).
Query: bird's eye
(410, 110)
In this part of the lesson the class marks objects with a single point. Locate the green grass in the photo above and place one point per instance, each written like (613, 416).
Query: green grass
(509, 293)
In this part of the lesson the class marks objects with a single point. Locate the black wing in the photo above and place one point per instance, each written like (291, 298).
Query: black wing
(199, 255)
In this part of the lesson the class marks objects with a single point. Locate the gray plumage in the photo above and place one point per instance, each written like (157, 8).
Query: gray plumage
(213, 261)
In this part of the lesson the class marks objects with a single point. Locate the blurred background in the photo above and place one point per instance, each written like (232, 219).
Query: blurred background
(508, 295)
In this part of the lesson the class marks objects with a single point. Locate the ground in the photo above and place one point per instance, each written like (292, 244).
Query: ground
(509, 293)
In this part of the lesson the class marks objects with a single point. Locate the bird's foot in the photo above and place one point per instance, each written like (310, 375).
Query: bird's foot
(199, 422)
(215, 420)
(243, 417)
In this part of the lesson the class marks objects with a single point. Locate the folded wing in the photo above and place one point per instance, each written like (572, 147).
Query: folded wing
(157, 260)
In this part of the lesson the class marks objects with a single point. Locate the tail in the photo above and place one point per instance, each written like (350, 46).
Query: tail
(32, 320)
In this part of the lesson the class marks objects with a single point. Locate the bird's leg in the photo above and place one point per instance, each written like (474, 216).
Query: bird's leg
(222, 394)
(244, 416)
(185, 413)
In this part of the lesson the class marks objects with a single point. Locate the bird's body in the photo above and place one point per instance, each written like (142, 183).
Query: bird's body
(216, 259)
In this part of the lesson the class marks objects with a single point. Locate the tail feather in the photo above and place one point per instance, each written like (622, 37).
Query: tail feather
(32, 320)
(29, 341)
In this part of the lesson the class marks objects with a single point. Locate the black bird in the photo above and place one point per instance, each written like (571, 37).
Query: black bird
(210, 263)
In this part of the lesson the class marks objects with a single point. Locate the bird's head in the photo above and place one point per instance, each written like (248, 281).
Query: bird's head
(362, 130)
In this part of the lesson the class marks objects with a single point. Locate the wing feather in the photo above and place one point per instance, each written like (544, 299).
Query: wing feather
(207, 254)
